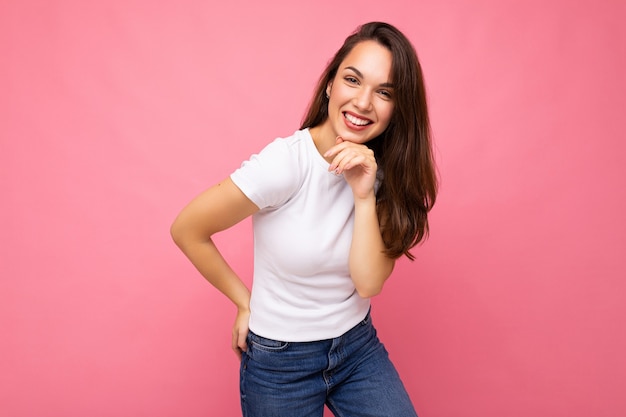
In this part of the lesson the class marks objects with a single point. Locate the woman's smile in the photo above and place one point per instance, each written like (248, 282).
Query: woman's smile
(360, 96)
(354, 121)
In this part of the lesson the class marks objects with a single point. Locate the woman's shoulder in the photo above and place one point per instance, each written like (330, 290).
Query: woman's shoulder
(274, 174)
(292, 152)
(293, 143)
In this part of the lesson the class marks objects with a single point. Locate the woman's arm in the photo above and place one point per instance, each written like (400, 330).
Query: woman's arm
(369, 265)
(216, 209)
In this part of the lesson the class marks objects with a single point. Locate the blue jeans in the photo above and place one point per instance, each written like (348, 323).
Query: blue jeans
(351, 374)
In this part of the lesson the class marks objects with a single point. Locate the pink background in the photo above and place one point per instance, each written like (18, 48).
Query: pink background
(114, 114)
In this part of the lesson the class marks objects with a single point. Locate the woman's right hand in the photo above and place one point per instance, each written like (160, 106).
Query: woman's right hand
(240, 332)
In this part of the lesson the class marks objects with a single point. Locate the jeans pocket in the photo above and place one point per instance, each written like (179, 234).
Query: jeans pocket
(268, 345)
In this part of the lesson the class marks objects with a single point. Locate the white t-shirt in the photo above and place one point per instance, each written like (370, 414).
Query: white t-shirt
(301, 290)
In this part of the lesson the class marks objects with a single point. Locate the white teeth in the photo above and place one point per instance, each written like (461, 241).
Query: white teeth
(356, 120)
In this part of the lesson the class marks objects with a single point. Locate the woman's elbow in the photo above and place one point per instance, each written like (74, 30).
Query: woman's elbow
(369, 291)
(177, 232)
(369, 284)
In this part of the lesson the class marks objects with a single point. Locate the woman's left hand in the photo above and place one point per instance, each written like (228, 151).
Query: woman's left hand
(357, 164)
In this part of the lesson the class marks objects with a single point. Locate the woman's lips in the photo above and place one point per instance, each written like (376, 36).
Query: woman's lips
(356, 122)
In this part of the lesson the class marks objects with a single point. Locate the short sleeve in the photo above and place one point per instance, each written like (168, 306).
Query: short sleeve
(271, 177)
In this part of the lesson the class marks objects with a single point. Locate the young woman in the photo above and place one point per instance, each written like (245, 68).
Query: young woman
(334, 205)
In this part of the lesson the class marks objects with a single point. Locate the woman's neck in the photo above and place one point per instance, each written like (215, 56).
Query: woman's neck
(323, 138)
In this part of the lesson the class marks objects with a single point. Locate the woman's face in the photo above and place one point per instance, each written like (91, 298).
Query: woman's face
(361, 99)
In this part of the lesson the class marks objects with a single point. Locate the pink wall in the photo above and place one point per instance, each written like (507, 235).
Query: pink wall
(114, 114)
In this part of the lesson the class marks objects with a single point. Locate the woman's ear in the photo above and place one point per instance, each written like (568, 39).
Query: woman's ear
(329, 88)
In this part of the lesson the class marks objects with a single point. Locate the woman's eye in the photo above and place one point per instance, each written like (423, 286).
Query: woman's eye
(385, 94)
(352, 80)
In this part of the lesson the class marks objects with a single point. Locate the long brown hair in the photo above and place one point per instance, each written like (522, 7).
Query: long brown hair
(408, 187)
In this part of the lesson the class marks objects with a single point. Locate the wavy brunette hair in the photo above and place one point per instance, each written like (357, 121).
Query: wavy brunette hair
(403, 152)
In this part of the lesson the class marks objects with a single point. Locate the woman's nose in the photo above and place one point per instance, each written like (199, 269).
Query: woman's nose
(363, 100)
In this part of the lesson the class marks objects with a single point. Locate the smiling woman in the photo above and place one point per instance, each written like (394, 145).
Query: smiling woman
(334, 205)
(360, 101)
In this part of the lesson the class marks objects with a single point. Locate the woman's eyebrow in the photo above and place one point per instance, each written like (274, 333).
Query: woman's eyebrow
(357, 72)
